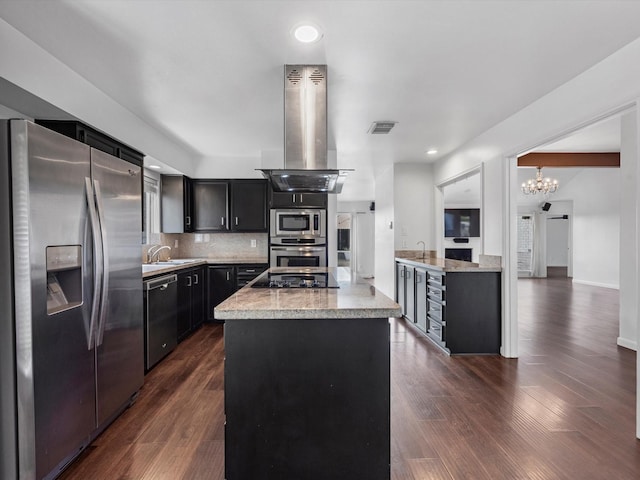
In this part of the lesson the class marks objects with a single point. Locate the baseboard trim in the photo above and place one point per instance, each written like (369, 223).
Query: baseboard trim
(631, 345)
(597, 284)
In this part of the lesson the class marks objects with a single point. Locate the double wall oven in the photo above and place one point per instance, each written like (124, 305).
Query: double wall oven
(298, 238)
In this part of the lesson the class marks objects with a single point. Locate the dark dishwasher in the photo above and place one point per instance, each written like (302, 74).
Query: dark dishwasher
(160, 318)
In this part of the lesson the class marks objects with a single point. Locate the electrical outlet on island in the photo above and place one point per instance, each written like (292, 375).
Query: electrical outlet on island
(253, 243)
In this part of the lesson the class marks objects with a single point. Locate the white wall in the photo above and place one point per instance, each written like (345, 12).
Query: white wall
(353, 207)
(27, 65)
(596, 226)
(384, 225)
(628, 231)
(228, 167)
(413, 206)
(6, 112)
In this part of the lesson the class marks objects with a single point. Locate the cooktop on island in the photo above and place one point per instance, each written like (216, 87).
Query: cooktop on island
(296, 280)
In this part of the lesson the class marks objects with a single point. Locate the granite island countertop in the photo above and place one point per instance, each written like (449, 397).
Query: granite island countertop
(488, 263)
(354, 299)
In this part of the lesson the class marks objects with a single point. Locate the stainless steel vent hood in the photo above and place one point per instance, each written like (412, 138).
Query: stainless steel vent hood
(305, 134)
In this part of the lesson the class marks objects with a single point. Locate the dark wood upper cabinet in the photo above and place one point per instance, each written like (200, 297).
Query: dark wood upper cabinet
(94, 138)
(249, 206)
(298, 200)
(176, 204)
(211, 205)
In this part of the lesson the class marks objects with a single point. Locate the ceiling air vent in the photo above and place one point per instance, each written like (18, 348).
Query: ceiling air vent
(383, 127)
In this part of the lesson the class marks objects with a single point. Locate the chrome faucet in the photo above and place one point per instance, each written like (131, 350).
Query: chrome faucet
(423, 247)
(150, 252)
(156, 252)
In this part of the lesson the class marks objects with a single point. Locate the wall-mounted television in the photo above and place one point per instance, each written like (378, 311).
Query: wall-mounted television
(461, 222)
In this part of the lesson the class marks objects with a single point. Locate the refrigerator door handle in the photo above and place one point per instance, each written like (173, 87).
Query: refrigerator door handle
(105, 265)
(97, 261)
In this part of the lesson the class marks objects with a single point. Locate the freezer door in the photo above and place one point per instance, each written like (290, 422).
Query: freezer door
(119, 339)
(55, 366)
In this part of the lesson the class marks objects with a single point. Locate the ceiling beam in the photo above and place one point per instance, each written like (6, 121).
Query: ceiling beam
(553, 159)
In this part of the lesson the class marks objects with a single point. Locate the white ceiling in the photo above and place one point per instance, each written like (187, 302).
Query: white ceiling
(208, 74)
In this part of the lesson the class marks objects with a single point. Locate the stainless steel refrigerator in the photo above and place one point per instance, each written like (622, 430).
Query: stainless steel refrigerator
(71, 303)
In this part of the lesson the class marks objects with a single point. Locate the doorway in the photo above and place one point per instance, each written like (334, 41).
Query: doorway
(558, 246)
(601, 223)
(356, 243)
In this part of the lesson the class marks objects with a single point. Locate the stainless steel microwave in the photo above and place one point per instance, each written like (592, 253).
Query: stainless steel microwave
(298, 223)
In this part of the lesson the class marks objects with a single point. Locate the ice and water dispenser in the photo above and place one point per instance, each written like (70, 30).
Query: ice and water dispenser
(64, 277)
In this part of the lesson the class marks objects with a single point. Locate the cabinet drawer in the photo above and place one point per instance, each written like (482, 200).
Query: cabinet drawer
(437, 332)
(434, 319)
(437, 280)
(438, 296)
(246, 273)
(436, 311)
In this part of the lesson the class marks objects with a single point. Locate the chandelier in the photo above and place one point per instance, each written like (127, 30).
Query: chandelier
(539, 184)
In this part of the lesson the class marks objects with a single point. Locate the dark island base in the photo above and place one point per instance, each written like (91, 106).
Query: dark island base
(307, 399)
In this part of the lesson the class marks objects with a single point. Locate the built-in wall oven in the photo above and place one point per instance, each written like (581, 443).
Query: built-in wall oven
(298, 254)
(300, 223)
(297, 238)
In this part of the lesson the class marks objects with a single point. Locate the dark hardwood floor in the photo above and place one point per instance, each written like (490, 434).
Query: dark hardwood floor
(564, 410)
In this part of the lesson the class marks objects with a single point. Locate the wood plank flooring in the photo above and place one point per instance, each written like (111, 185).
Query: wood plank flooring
(564, 410)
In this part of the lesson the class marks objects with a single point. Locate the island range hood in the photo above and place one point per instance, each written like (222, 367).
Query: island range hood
(305, 135)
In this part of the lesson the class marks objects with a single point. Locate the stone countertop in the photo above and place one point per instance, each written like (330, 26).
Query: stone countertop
(447, 265)
(354, 299)
(203, 261)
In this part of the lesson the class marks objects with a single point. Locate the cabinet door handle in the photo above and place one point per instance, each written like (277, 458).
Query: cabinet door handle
(301, 198)
(227, 276)
(236, 220)
(294, 198)
(195, 275)
(188, 220)
(189, 278)
(222, 221)
(418, 278)
(250, 271)
(401, 273)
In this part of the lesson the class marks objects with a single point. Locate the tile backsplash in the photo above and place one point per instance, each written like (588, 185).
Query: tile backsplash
(211, 245)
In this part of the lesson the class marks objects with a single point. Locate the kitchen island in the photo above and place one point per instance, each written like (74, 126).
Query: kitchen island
(307, 388)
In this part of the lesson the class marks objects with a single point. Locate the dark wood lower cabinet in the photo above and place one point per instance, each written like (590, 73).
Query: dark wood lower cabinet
(191, 301)
(221, 284)
(224, 281)
(460, 311)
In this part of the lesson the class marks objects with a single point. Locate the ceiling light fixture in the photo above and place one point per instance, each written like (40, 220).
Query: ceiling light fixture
(155, 167)
(539, 184)
(307, 33)
(432, 151)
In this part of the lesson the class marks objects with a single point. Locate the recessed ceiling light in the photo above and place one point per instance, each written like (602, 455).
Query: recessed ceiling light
(155, 167)
(432, 151)
(307, 33)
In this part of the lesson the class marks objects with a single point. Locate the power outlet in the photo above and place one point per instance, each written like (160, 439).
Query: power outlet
(175, 243)
(253, 243)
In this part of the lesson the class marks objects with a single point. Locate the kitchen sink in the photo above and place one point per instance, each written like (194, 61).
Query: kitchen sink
(180, 261)
(151, 267)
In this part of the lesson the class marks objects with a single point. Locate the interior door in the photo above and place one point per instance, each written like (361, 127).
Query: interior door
(120, 351)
